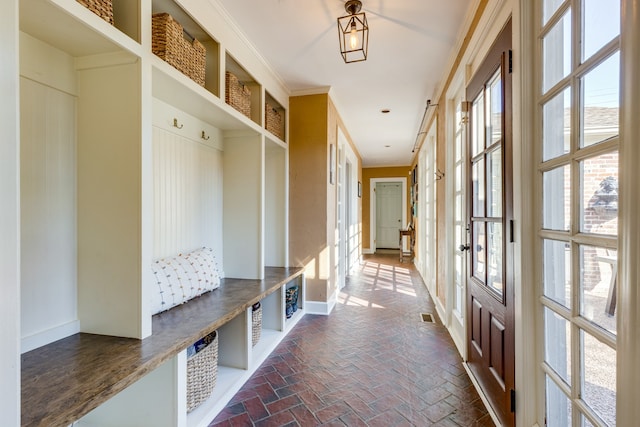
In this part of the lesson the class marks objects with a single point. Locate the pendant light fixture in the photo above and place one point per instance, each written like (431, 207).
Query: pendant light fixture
(353, 32)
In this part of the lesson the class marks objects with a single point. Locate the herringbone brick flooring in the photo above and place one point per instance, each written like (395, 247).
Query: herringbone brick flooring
(372, 362)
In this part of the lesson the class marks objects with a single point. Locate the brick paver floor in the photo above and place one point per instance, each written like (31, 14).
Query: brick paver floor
(372, 362)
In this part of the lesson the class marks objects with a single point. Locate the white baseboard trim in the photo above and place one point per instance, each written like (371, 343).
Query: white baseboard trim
(475, 383)
(322, 308)
(456, 330)
(315, 307)
(48, 336)
(368, 251)
(442, 314)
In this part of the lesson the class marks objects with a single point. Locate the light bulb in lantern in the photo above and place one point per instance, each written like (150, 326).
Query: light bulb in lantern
(354, 36)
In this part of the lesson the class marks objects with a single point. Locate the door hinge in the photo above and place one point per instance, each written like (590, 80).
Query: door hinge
(510, 61)
(511, 238)
(513, 400)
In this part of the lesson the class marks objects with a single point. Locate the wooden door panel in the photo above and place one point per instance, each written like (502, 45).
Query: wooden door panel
(497, 352)
(476, 327)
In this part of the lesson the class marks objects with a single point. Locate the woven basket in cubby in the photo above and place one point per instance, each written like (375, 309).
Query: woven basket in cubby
(237, 94)
(102, 8)
(169, 43)
(273, 120)
(256, 323)
(202, 370)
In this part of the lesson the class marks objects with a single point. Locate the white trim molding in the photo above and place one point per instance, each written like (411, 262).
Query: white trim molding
(372, 207)
(321, 308)
(628, 372)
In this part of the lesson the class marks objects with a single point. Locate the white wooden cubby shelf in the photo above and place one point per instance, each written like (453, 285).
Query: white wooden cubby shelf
(110, 381)
(124, 160)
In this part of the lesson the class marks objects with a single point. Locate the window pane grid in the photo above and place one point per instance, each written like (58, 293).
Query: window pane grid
(594, 34)
(558, 408)
(549, 8)
(578, 170)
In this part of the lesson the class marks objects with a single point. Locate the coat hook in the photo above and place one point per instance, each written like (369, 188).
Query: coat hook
(176, 125)
(205, 136)
(439, 174)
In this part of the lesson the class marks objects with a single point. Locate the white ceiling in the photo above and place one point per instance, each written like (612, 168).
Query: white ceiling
(410, 44)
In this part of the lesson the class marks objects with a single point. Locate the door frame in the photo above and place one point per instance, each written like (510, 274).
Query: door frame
(347, 234)
(373, 203)
(348, 215)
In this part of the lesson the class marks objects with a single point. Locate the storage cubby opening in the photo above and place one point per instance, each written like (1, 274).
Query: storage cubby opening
(188, 190)
(126, 17)
(233, 343)
(294, 301)
(272, 311)
(80, 32)
(275, 204)
(79, 197)
(149, 401)
(274, 117)
(242, 207)
(192, 30)
(248, 87)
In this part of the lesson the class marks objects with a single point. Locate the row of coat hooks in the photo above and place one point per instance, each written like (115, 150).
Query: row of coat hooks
(177, 125)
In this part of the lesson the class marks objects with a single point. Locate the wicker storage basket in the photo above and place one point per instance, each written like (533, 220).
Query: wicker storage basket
(202, 371)
(237, 95)
(102, 8)
(169, 43)
(256, 323)
(273, 120)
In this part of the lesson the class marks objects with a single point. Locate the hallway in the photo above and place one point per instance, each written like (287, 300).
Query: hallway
(372, 362)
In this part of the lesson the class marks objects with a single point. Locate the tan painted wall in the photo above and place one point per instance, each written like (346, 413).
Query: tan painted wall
(313, 128)
(308, 178)
(367, 175)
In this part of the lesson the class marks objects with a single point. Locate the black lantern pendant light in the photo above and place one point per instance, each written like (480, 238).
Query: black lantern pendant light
(353, 32)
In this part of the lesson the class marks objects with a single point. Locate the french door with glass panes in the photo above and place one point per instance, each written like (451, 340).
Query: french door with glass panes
(577, 162)
(490, 287)
(460, 228)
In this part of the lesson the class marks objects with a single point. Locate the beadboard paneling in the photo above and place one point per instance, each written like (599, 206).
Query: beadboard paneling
(274, 200)
(48, 210)
(187, 178)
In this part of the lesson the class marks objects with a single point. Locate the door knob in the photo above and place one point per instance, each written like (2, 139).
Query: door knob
(464, 248)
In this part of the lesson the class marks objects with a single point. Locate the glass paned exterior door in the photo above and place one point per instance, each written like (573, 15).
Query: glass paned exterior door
(577, 153)
(490, 315)
(460, 218)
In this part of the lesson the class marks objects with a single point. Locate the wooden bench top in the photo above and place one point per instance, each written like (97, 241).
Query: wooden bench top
(65, 380)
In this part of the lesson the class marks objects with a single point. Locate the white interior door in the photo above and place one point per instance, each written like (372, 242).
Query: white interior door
(388, 214)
